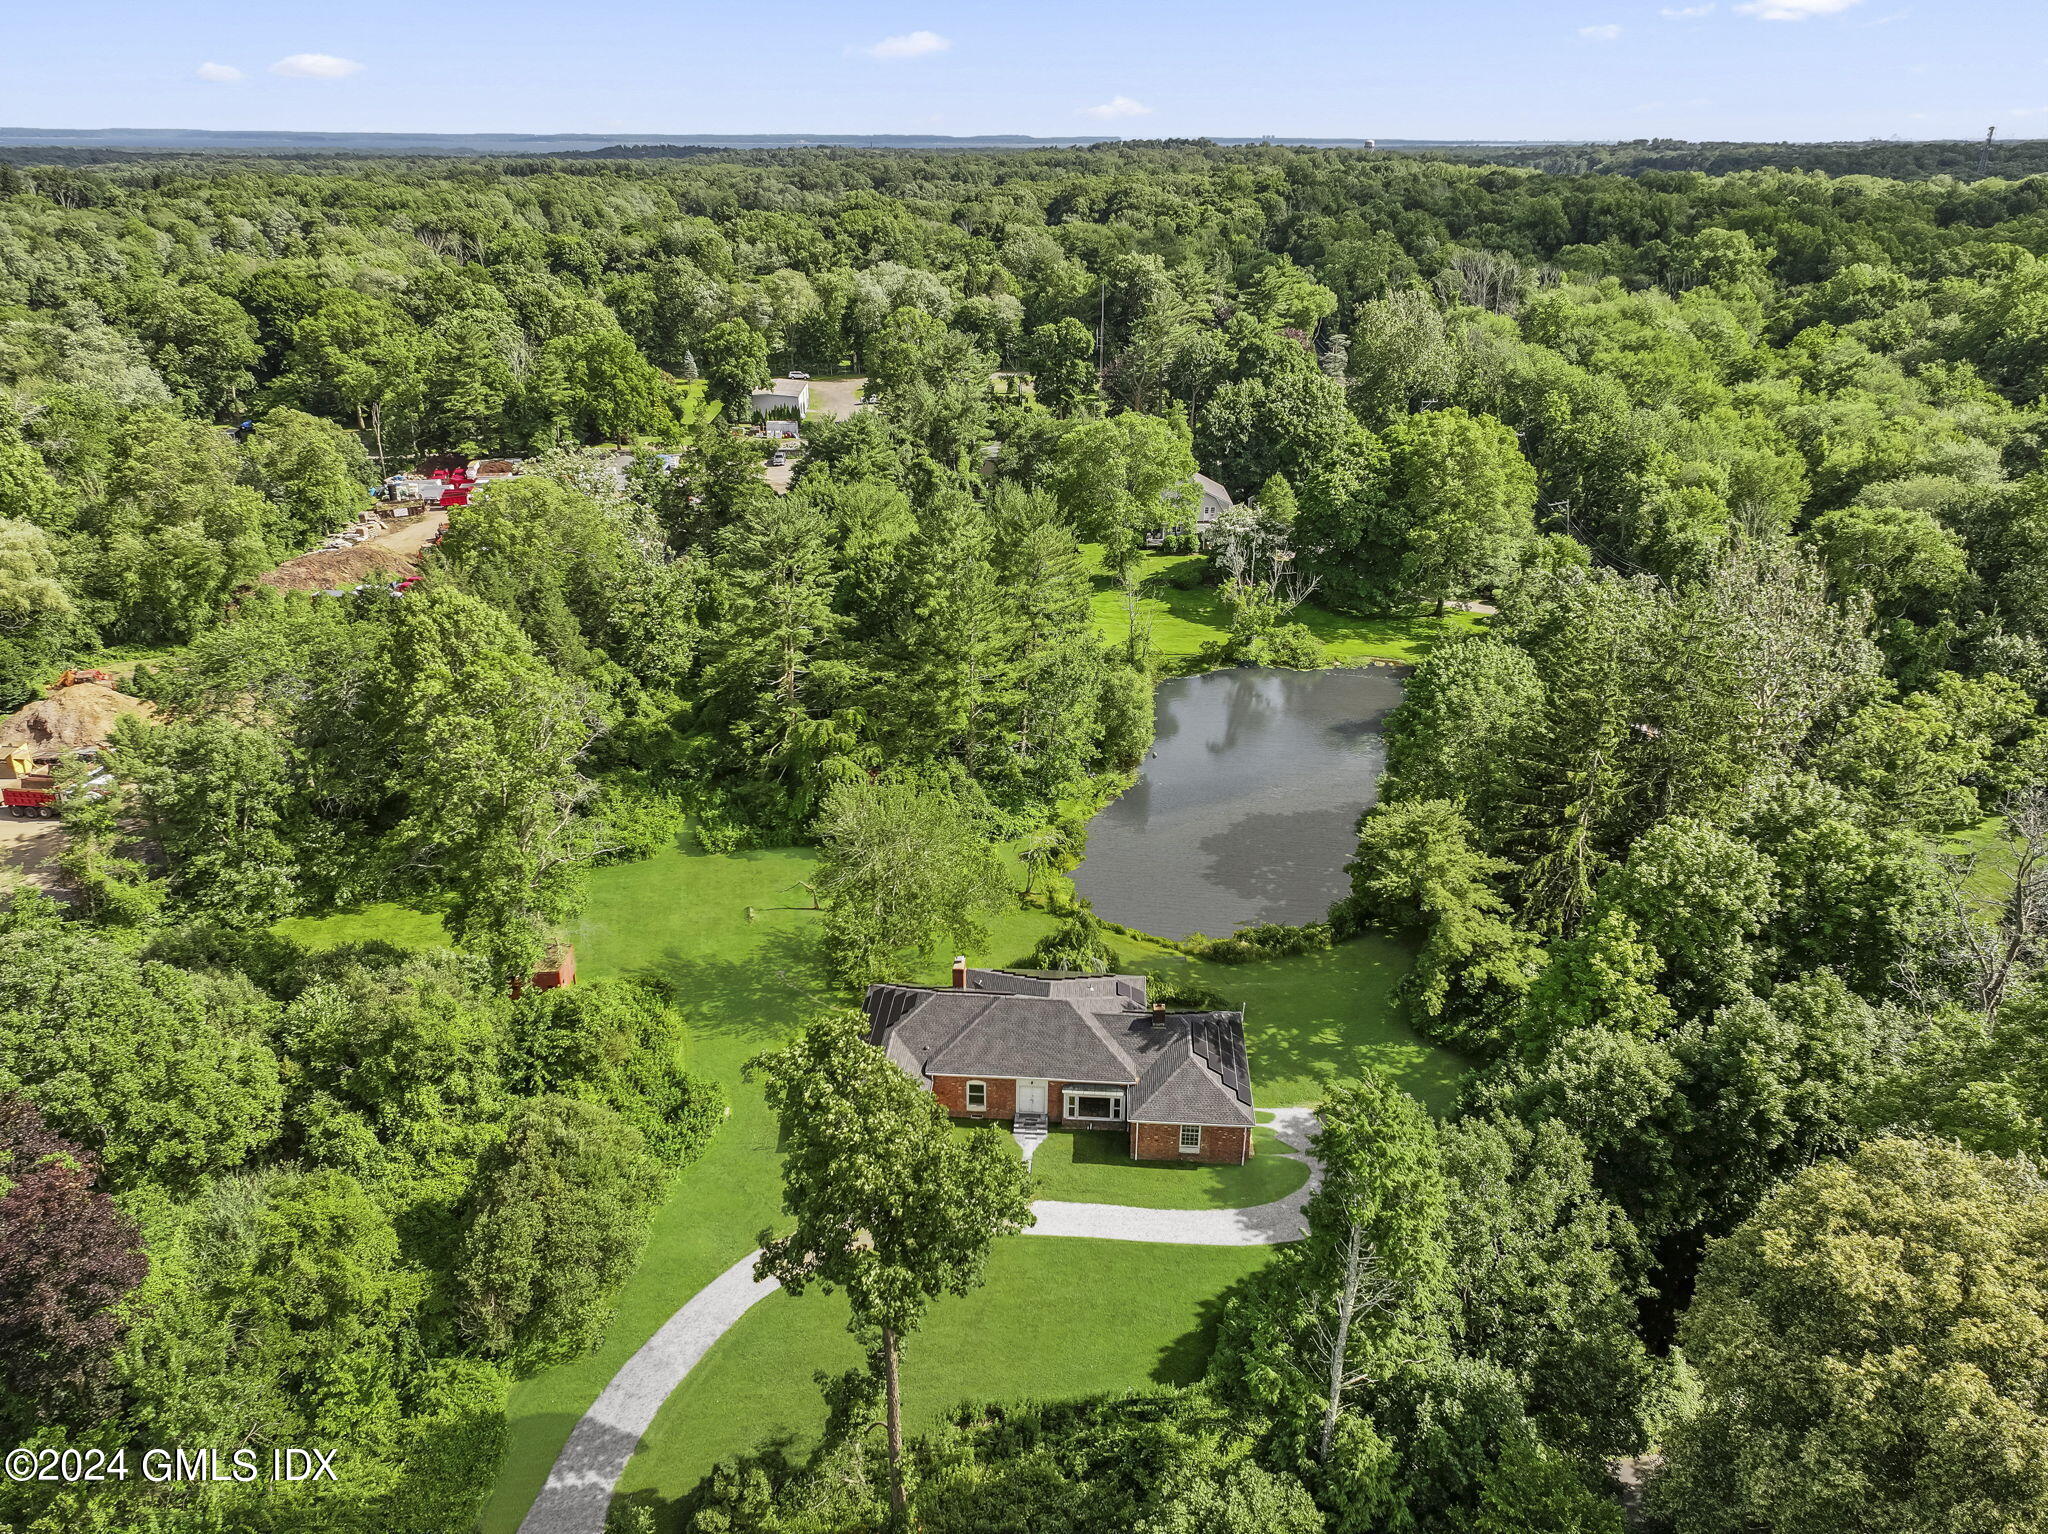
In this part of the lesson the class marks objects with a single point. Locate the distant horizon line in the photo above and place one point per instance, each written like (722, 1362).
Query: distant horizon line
(484, 140)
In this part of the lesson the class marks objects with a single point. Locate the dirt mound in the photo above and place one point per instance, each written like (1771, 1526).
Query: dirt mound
(340, 569)
(70, 718)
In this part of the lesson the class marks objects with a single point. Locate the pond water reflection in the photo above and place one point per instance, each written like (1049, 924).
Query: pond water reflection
(1244, 811)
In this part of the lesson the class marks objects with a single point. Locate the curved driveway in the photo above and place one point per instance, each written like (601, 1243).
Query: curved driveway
(579, 1489)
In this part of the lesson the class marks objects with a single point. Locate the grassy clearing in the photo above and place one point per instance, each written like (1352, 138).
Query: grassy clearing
(1182, 622)
(381, 923)
(735, 935)
(1058, 1316)
(1090, 1166)
(1993, 867)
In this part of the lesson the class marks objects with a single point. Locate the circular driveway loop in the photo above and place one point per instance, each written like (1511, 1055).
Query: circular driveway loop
(579, 1489)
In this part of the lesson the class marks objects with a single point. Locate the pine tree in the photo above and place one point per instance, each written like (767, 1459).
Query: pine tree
(1056, 665)
(941, 677)
(771, 629)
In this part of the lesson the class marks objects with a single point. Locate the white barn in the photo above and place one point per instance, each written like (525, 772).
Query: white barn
(783, 394)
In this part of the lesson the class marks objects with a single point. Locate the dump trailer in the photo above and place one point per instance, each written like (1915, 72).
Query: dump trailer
(39, 796)
(25, 802)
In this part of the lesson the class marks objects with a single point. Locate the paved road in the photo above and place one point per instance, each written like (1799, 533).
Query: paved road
(579, 1489)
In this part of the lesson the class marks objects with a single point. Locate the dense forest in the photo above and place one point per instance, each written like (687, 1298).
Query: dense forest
(1722, 841)
(1901, 160)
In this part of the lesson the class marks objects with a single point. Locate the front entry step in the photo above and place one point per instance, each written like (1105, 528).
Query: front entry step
(1030, 1131)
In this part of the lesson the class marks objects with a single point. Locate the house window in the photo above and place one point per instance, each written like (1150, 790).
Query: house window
(1190, 1138)
(977, 1097)
(1107, 1106)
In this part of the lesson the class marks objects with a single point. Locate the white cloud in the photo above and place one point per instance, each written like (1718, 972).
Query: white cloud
(315, 66)
(1118, 106)
(1680, 12)
(911, 45)
(1604, 34)
(1793, 10)
(220, 74)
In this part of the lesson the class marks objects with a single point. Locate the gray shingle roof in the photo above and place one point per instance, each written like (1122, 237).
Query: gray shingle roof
(1178, 1067)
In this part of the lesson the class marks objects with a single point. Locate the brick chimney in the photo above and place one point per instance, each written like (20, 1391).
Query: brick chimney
(960, 972)
(1158, 1013)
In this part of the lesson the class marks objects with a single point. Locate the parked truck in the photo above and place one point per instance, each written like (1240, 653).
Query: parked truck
(36, 795)
(29, 798)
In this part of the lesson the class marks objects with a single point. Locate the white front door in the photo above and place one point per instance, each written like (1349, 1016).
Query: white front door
(1030, 1095)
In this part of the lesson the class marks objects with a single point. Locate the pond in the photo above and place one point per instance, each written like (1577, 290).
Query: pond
(1245, 810)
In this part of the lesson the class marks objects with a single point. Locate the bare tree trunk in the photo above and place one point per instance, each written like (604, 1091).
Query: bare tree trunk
(899, 1505)
(1347, 1303)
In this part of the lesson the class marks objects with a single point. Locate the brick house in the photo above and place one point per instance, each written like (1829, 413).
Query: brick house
(1084, 1051)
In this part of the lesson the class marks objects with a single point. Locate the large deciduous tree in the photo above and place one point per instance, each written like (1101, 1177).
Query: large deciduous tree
(554, 1225)
(1873, 1346)
(734, 356)
(1460, 503)
(1366, 1293)
(890, 1206)
(900, 869)
(481, 741)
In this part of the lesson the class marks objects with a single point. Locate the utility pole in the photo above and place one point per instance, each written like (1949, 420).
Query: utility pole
(1984, 154)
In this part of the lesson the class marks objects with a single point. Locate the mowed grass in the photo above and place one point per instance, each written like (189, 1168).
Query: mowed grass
(1182, 622)
(748, 985)
(1058, 1316)
(735, 935)
(1093, 1166)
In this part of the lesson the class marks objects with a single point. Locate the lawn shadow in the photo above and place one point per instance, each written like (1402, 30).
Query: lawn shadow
(1185, 1359)
(757, 998)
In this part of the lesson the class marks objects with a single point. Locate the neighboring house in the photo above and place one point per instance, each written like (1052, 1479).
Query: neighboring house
(787, 429)
(1215, 501)
(782, 394)
(1084, 1051)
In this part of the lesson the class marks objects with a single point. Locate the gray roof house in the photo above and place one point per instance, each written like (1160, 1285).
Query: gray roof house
(1214, 501)
(1043, 1048)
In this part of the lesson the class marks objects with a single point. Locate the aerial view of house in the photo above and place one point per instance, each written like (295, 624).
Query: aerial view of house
(1039, 1048)
(525, 655)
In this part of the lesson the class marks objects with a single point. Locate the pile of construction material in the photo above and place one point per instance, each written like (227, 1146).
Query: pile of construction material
(367, 525)
(343, 569)
(448, 481)
(77, 718)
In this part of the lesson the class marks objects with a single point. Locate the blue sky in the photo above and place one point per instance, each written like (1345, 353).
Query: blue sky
(1741, 69)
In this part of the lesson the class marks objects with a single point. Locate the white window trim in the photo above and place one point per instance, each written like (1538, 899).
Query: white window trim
(1185, 1148)
(1068, 1097)
(967, 1096)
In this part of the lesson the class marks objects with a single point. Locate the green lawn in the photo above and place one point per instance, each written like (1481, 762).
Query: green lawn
(1992, 874)
(1182, 622)
(683, 916)
(1093, 1166)
(1057, 1317)
(736, 936)
(382, 923)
